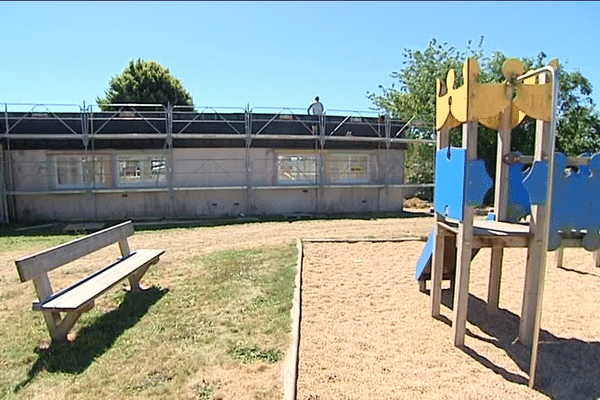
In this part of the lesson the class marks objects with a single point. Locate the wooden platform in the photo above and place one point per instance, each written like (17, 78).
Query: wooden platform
(494, 233)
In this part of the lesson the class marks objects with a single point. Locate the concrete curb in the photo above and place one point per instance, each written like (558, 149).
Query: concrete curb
(290, 362)
(291, 359)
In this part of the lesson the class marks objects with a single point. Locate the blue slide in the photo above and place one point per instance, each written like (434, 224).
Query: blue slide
(424, 263)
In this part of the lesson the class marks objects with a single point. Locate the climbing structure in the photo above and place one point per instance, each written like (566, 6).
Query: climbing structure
(461, 182)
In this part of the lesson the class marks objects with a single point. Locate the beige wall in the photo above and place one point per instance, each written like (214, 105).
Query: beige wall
(30, 169)
(194, 171)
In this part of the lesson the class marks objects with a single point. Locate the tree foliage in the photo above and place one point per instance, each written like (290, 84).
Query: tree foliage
(578, 128)
(145, 82)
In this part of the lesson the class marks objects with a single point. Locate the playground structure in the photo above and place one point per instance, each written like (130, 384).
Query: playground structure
(558, 207)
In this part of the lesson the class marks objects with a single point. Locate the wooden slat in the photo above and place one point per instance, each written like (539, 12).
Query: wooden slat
(44, 261)
(497, 227)
(88, 289)
(490, 228)
(519, 241)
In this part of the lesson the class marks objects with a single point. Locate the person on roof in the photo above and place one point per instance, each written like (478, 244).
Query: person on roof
(316, 110)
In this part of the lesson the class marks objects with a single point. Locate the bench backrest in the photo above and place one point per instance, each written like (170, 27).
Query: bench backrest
(39, 263)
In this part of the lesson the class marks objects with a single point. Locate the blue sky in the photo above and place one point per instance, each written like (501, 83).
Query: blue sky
(270, 54)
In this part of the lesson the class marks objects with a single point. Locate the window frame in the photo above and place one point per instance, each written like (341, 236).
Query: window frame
(370, 169)
(147, 182)
(296, 158)
(92, 160)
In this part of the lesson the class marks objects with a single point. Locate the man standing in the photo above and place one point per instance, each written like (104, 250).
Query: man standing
(316, 110)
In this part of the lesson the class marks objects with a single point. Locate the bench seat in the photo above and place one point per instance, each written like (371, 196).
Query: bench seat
(85, 291)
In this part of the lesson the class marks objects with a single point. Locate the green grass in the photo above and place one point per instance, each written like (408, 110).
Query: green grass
(228, 308)
(253, 353)
(9, 243)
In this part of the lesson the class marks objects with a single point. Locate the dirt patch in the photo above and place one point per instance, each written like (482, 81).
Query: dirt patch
(366, 330)
(234, 382)
(417, 204)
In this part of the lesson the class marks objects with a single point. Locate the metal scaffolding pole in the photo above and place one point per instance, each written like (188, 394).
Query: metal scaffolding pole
(88, 176)
(248, 164)
(320, 203)
(169, 159)
(3, 196)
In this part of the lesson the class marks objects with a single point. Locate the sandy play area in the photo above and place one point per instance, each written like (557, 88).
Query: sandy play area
(366, 332)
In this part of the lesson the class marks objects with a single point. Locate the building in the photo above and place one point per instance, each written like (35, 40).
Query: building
(143, 162)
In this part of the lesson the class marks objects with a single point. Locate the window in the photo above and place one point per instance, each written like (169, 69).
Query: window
(299, 169)
(348, 168)
(77, 171)
(142, 170)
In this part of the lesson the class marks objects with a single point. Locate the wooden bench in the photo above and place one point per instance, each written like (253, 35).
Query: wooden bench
(79, 297)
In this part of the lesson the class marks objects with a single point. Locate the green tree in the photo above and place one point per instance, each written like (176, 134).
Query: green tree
(578, 120)
(145, 82)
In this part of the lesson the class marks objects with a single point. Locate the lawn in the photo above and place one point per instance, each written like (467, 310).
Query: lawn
(205, 319)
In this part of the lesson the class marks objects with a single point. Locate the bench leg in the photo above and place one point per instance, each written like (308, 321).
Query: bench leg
(134, 279)
(52, 322)
(59, 328)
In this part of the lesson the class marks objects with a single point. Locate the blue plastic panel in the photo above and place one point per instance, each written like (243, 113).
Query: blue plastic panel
(458, 182)
(478, 182)
(450, 172)
(575, 202)
(535, 182)
(592, 239)
(518, 199)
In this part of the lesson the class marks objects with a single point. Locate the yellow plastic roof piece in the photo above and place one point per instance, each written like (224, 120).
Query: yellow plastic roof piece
(484, 102)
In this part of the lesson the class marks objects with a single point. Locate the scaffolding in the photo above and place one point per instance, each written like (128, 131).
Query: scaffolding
(91, 129)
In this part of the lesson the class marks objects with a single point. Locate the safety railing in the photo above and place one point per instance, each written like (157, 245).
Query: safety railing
(24, 117)
(155, 121)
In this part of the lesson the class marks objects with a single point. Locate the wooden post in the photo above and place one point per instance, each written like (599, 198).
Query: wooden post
(494, 279)
(535, 253)
(596, 257)
(543, 226)
(464, 246)
(437, 260)
(500, 204)
(437, 267)
(559, 256)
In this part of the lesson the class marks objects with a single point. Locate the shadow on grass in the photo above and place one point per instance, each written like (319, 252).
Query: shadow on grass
(75, 356)
(566, 367)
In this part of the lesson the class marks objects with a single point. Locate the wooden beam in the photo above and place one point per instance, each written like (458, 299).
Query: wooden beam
(500, 204)
(559, 255)
(493, 299)
(437, 264)
(502, 168)
(437, 259)
(542, 227)
(535, 252)
(464, 248)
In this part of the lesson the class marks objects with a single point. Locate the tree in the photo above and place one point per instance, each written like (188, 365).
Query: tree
(145, 82)
(578, 120)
